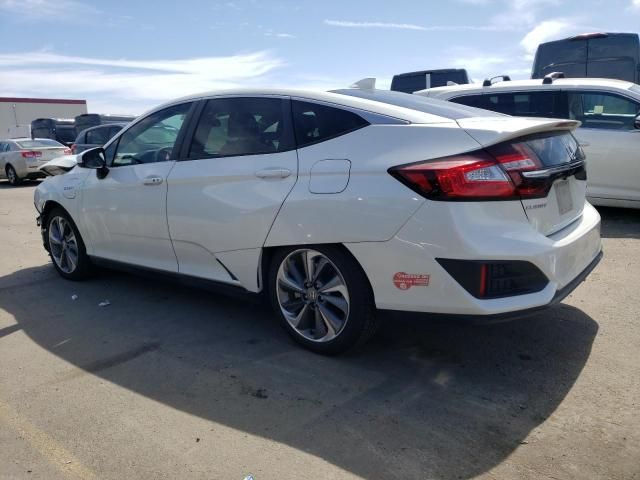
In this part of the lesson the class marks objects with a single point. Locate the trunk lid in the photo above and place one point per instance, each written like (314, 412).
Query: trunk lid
(560, 169)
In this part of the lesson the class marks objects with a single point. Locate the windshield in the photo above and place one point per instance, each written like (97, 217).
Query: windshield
(433, 106)
(39, 142)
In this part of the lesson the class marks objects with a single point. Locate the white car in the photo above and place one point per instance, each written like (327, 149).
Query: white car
(610, 130)
(334, 205)
(21, 158)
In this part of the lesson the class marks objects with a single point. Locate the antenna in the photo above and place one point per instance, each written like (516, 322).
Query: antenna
(368, 83)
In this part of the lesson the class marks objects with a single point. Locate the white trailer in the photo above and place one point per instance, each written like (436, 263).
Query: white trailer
(16, 114)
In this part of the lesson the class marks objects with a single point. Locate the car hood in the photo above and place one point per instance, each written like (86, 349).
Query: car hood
(59, 165)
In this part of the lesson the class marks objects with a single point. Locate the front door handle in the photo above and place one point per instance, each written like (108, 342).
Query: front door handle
(152, 180)
(273, 173)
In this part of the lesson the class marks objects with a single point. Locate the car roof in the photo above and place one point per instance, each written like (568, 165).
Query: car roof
(529, 85)
(348, 101)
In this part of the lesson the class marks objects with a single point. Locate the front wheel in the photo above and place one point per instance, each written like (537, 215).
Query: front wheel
(322, 298)
(66, 247)
(12, 176)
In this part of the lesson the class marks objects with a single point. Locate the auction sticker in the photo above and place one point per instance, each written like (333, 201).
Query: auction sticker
(404, 281)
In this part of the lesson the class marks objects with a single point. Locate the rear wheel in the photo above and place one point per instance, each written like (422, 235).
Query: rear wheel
(66, 247)
(322, 298)
(12, 176)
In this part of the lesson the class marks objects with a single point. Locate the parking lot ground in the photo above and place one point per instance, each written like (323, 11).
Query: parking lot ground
(170, 382)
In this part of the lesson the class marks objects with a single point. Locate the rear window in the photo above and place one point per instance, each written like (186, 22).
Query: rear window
(519, 104)
(66, 133)
(417, 102)
(38, 143)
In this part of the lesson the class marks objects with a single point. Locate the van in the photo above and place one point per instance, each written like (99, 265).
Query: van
(61, 130)
(413, 81)
(595, 55)
(88, 120)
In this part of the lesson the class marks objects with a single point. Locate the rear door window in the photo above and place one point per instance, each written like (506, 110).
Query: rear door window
(314, 123)
(603, 110)
(242, 126)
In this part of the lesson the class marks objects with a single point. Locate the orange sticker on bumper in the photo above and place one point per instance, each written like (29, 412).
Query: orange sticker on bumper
(404, 281)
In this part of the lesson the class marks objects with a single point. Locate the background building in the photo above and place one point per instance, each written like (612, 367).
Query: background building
(16, 114)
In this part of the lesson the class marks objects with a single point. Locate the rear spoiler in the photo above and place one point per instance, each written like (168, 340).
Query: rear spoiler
(491, 130)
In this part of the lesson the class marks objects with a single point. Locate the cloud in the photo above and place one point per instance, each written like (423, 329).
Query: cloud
(546, 30)
(410, 26)
(46, 9)
(279, 35)
(129, 86)
(635, 4)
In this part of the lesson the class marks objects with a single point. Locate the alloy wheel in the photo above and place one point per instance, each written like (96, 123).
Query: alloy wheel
(312, 295)
(63, 244)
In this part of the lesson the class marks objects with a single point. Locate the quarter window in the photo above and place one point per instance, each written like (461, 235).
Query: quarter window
(98, 136)
(241, 126)
(603, 110)
(315, 123)
(151, 139)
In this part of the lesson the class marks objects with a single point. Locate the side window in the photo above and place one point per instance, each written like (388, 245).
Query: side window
(241, 126)
(315, 123)
(152, 138)
(112, 132)
(97, 136)
(534, 104)
(477, 101)
(603, 110)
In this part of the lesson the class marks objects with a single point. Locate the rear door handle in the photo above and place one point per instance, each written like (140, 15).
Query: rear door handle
(152, 180)
(273, 173)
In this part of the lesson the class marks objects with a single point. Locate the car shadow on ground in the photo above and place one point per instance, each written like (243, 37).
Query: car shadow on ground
(620, 222)
(4, 184)
(422, 400)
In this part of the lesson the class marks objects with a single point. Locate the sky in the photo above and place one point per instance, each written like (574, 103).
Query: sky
(126, 56)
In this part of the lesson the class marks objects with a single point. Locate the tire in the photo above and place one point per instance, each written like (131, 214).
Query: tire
(330, 314)
(67, 251)
(12, 176)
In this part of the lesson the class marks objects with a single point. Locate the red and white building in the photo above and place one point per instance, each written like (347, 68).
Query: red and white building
(16, 114)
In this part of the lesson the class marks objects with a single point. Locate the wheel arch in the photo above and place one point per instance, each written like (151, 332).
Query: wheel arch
(269, 252)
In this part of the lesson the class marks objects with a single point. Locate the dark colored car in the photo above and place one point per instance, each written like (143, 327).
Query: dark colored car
(88, 120)
(413, 81)
(61, 130)
(95, 136)
(596, 55)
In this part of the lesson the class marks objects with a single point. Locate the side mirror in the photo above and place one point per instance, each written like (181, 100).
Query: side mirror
(94, 159)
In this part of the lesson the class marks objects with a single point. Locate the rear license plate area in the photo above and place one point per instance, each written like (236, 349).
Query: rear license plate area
(563, 196)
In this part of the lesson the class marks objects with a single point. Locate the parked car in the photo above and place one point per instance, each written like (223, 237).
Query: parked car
(413, 81)
(334, 205)
(95, 137)
(59, 129)
(21, 158)
(88, 120)
(595, 55)
(610, 130)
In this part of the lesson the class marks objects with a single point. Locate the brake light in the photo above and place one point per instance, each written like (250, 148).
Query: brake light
(31, 154)
(69, 151)
(492, 174)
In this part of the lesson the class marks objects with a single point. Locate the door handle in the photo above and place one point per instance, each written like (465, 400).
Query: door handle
(273, 173)
(152, 180)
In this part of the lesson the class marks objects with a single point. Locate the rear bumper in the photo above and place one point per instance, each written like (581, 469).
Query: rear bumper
(468, 232)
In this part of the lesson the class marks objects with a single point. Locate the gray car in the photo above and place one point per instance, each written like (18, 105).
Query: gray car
(95, 136)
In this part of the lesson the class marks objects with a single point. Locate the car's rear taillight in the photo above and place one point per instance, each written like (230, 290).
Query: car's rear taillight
(506, 171)
(74, 148)
(472, 176)
(68, 151)
(31, 154)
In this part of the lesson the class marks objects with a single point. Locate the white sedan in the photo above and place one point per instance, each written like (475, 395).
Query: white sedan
(21, 158)
(334, 205)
